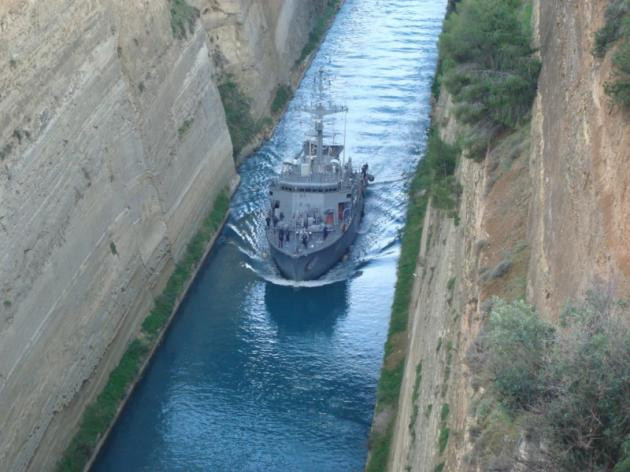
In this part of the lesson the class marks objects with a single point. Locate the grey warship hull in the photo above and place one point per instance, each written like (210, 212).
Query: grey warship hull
(313, 265)
(315, 204)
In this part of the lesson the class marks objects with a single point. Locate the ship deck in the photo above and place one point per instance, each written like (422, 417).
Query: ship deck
(295, 247)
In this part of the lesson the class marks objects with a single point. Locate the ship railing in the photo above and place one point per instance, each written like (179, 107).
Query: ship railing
(295, 244)
(315, 236)
(295, 177)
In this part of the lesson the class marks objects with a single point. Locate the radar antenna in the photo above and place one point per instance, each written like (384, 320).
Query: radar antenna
(321, 110)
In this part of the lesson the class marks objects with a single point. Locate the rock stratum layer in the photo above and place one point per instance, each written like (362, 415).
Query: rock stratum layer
(552, 198)
(113, 145)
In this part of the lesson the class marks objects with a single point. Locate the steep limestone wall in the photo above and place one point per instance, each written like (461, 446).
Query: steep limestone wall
(113, 144)
(258, 43)
(580, 217)
(449, 300)
(553, 197)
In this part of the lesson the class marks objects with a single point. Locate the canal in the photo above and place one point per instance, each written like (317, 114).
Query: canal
(256, 373)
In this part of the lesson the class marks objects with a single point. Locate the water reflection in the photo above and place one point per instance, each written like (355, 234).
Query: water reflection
(306, 310)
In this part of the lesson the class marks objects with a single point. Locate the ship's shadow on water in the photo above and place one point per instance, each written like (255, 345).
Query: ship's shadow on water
(306, 310)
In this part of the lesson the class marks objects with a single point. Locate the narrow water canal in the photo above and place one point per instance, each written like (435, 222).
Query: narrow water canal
(256, 374)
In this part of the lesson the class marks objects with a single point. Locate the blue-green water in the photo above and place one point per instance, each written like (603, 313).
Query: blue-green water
(256, 374)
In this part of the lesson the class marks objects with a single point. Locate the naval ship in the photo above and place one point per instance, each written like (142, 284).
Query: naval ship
(316, 205)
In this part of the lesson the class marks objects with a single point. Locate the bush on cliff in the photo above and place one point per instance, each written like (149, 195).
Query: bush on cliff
(451, 6)
(437, 172)
(619, 88)
(616, 28)
(569, 386)
(612, 29)
(587, 383)
(516, 339)
(488, 64)
(241, 124)
(319, 29)
(183, 18)
(280, 99)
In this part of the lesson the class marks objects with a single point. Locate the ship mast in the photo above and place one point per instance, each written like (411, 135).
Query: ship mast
(320, 111)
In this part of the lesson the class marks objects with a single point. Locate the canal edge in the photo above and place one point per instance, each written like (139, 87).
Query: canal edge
(233, 186)
(297, 76)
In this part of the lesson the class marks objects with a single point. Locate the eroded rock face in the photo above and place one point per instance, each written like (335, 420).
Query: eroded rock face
(257, 42)
(113, 145)
(580, 217)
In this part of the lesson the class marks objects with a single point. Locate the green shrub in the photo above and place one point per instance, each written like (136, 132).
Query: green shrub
(317, 33)
(389, 385)
(502, 268)
(414, 399)
(587, 381)
(451, 6)
(183, 18)
(616, 27)
(488, 65)
(612, 29)
(443, 439)
(5, 151)
(283, 95)
(624, 464)
(447, 367)
(436, 85)
(99, 415)
(241, 124)
(379, 452)
(184, 128)
(451, 284)
(416, 386)
(444, 413)
(572, 383)
(516, 339)
(438, 168)
(619, 88)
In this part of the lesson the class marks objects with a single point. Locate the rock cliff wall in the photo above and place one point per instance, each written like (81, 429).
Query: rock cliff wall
(453, 283)
(113, 144)
(258, 43)
(551, 198)
(580, 216)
